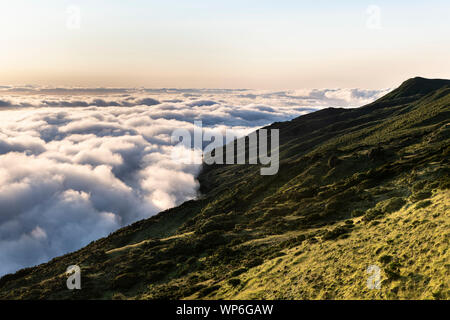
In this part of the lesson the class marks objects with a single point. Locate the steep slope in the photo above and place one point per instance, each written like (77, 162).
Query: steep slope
(356, 187)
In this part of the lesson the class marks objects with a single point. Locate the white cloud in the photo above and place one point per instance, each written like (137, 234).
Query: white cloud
(76, 164)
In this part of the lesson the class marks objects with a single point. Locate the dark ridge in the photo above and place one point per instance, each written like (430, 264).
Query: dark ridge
(417, 86)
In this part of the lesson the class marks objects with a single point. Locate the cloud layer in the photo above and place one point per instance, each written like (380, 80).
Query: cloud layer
(76, 164)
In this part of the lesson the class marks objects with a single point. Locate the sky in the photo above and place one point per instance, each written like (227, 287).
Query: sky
(253, 44)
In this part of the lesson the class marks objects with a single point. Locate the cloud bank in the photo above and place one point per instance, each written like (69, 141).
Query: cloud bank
(76, 164)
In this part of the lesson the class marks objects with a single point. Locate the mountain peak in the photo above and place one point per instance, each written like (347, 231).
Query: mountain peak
(418, 86)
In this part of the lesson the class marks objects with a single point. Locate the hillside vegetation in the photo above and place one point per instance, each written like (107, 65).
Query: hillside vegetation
(355, 187)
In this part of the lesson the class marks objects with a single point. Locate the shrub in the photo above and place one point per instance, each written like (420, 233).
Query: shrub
(164, 265)
(333, 205)
(357, 213)
(336, 233)
(304, 193)
(191, 260)
(423, 204)
(386, 206)
(216, 225)
(444, 183)
(372, 214)
(276, 254)
(238, 272)
(126, 280)
(333, 161)
(376, 153)
(293, 242)
(385, 258)
(180, 246)
(392, 204)
(234, 282)
(210, 240)
(418, 186)
(205, 291)
(255, 262)
(155, 275)
(421, 195)
(392, 271)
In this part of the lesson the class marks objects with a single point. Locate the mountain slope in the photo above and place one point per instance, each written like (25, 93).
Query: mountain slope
(355, 187)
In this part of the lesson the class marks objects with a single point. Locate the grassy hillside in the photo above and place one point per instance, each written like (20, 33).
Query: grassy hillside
(356, 187)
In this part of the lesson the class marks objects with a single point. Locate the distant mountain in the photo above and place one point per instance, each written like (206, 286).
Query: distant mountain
(355, 188)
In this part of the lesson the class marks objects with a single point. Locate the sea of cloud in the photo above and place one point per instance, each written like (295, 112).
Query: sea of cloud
(77, 163)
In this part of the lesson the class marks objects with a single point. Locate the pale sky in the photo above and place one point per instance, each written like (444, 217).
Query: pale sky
(256, 44)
